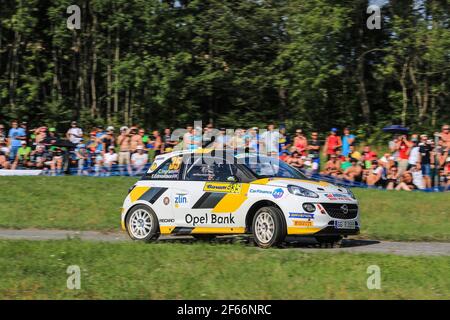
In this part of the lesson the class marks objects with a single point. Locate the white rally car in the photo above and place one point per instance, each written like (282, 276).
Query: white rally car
(210, 193)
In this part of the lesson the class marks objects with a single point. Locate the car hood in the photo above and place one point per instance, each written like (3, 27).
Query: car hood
(313, 185)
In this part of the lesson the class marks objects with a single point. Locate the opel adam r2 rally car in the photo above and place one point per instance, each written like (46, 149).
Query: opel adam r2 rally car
(203, 194)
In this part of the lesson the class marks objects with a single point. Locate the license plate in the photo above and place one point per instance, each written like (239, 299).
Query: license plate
(344, 224)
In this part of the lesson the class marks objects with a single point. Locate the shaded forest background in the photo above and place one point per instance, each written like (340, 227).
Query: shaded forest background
(309, 64)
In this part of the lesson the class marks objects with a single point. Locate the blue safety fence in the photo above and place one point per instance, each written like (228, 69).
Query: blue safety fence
(123, 170)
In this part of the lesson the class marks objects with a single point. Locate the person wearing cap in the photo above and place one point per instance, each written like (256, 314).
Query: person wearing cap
(108, 139)
(332, 142)
(15, 136)
(110, 158)
(414, 154)
(74, 134)
(445, 135)
(22, 156)
(124, 143)
(139, 159)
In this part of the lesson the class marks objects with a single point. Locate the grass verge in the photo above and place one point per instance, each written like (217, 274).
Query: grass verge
(37, 270)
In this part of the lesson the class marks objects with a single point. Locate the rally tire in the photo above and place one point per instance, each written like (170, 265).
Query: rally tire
(142, 224)
(268, 227)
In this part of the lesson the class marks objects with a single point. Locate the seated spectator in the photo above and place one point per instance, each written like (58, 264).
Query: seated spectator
(417, 177)
(446, 174)
(56, 161)
(139, 159)
(108, 139)
(22, 157)
(109, 159)
(4, 148)
(406, 182)
(373, 175)
(38, 157)
(333, 166)
(368, 156)
(284, 155)
(353, 153)
(98, 163)
(84, 160)
(353, 172)
(392, 178)
(4, 163)
(295, 160)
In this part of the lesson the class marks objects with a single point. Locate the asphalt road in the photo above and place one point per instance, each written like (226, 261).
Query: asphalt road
(307, 245)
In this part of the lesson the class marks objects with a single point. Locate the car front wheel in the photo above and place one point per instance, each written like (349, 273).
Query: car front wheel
(268, 227)
(142, 224)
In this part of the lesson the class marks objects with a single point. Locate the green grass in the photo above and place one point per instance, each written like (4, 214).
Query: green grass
(83, 203)
(37, 270)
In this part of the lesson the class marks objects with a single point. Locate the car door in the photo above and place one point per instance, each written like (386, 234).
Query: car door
(204, 183)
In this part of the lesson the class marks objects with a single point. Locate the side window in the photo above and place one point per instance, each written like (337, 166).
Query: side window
(201, 171)
(169, 170)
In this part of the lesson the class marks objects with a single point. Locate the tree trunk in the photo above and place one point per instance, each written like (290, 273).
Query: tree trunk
(404, 93)
(94, 68)
(365, 107)
(116, 74)
(108, 80)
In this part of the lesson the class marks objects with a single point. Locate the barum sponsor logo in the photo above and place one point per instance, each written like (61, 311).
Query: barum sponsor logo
(301, 215)
(277, 193)
(209, 218)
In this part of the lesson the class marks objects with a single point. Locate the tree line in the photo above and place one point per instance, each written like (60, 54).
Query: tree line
(310, 64)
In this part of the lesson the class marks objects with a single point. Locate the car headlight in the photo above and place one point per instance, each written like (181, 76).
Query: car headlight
(299, 191)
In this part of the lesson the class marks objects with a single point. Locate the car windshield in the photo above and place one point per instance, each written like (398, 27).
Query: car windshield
(267, 167)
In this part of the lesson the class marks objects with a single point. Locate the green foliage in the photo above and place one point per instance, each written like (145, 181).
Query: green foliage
(309, 64)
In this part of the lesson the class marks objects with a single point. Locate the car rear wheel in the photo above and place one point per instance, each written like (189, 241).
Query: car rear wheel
(142, 224)
(268, 227)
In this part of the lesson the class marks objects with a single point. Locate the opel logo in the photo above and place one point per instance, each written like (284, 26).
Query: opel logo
(344, 209)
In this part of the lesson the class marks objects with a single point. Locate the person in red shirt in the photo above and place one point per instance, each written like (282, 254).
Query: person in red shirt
(367, 157)
(445, 135)
(403, 146)
(332, 143)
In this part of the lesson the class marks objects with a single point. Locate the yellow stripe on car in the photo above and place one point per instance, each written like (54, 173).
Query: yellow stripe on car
(218, 230)
(137, 192)
(296, 230)
(232, 201)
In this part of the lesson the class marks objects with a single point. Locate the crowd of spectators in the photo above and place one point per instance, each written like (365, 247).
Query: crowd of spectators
(412, 162)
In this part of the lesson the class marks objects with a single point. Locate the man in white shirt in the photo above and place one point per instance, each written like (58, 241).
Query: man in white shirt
(74, 134)
(139, 159)
(414, 154)
(270, 141)
(109, 159)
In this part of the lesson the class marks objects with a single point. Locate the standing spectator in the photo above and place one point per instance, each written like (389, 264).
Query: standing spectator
(285, 140)
(347, 140)
(84, 160)
(195, 139)
(74, 134)
(314, 150)
(136, 138)
(332, 142)
(221, 140)
(187, 137)
(168, 143)
(92, 143)
(124, 143)
(270, 140)
(445, 135)
(110, 158)
(426, 159)
(139, 160)
(252, 139)
(157, 143)
(2, 133)
(403, 147)
(393, 146)
(414, 154)
(108, 139)
(237, 141)
(56, 162)
(15, 135)
(300, 142)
